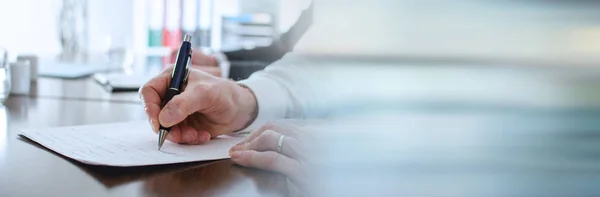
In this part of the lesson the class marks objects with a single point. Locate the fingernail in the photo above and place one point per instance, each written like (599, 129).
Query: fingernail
(207, 138)
(236, 154)
(204, 136)
(236, 148)
(153, 125)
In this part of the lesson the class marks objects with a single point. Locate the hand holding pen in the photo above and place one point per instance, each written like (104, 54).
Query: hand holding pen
(195, 110)
(178, 78)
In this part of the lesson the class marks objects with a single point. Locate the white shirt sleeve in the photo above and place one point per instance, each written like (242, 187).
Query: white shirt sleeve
(284, 89)
(304, 86)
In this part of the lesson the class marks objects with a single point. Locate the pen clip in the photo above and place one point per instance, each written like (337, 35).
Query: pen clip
(187, 67)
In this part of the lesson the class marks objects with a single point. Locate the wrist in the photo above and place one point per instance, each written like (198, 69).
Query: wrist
(248, 107)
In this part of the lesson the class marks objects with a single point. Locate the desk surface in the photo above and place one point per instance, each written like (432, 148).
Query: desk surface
(28, 170)
(79, 89)
(464, 152)
(425, 149)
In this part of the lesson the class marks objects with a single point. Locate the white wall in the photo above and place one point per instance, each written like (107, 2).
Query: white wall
(110, 21)
(30, 26)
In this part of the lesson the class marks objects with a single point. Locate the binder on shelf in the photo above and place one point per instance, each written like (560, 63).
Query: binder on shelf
(205, 17)
(155, 22)
(189, 18)
(172, 31)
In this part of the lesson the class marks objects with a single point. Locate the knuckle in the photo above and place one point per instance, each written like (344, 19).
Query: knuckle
(200, 88)
(264, 138)
(143, 90)
(270, 134)
(205, 89)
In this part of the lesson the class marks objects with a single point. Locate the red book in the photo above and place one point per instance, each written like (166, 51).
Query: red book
(172, 30)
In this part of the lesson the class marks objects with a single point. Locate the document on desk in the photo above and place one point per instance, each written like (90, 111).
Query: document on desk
(125, 144)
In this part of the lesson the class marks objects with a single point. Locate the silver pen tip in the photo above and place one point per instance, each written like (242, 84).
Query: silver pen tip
(162, 136)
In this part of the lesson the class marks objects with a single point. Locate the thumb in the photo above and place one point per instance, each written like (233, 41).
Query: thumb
(185, 104)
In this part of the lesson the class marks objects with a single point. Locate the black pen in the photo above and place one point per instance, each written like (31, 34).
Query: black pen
(178, 78)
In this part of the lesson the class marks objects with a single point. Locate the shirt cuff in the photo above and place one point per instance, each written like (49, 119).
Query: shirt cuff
(271, 99)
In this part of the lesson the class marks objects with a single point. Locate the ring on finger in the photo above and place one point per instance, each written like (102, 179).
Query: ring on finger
(280, 143)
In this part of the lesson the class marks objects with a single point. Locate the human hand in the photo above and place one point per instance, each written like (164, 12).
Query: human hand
(260, 150)
(207, 107)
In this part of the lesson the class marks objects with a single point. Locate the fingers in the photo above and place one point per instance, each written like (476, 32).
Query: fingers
(269, 160)
(199, 58)
(156, 88)
(174, 135)
(268, 141)
(178, 109)
(151, 95)
(196, 98)
(185, 134)
(190, 135)
(283, 128)
(204, 60)
(212, 70)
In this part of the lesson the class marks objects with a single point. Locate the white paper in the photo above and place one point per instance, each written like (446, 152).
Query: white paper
(126, 144)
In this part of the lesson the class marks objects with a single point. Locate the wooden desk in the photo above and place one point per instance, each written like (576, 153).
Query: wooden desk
(29, 170)
(511, 147)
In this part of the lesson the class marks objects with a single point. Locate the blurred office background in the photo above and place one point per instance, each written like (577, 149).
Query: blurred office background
(140, 27)
(508, 32)
(35, 24)
(526, 30)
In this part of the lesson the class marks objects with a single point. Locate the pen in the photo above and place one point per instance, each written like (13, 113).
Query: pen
(178, 78)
